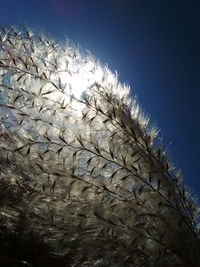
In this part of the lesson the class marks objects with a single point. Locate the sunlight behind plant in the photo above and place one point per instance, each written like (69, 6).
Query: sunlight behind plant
(81, 173)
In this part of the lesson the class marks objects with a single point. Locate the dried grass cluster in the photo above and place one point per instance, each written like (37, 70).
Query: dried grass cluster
(82, 181)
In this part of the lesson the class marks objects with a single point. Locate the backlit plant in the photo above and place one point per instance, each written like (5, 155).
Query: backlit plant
(83, 181)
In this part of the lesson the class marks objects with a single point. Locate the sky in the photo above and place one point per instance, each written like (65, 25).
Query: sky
(153, 45)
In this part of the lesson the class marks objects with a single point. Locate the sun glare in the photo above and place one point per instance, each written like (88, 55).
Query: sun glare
(81, 77)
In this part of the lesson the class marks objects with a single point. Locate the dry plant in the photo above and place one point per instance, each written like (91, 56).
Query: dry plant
(83, 181)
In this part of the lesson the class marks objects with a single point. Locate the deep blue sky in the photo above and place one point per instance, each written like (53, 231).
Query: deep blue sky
(154, 46)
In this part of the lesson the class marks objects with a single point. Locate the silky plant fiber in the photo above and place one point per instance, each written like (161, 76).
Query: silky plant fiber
(83, 179)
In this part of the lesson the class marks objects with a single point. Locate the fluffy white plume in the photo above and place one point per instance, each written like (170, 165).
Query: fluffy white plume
(82, 182)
